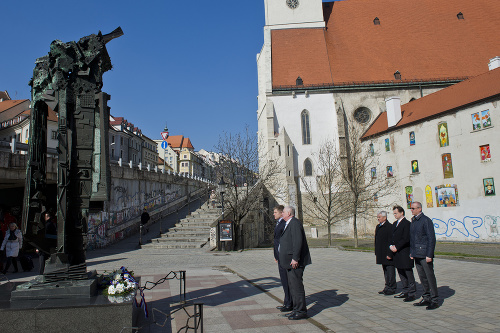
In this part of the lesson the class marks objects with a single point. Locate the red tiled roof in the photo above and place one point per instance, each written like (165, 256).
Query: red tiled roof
(186, 143)
(460, 95)
(4, 95)
(12, 108)
(421, 39)
(175, 141)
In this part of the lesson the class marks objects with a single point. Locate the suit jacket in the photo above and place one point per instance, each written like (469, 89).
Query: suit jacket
(293, 245)
(383, 236)
(401, 239)
(278, 230)
(422, 237)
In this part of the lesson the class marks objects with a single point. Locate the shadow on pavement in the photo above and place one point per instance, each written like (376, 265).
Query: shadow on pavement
(325, 299)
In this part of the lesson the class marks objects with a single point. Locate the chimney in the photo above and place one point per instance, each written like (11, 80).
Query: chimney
(494, 63)
(393, 106)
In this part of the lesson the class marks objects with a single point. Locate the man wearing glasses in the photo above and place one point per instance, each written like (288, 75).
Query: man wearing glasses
(422, 244)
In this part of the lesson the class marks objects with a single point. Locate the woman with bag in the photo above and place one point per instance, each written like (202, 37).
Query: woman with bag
(12, 243)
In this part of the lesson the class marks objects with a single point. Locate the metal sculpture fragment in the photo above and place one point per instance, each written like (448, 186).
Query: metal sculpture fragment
(69, 81)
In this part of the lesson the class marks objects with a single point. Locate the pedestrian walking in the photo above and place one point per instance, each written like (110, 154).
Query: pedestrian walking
(12, 243)
(145, 218)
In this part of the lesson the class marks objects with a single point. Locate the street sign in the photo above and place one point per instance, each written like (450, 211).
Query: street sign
(164, 145)
(164, 135)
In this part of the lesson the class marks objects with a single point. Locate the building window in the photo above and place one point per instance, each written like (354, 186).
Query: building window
(112, 139)
(362, 115)
(373, 172)
(414, 166)
(306, 130)
(279, 150)
(308, 169)
(121, 140)
(18, 137)
(389, 171)
(185, 156)
(412, 138)
(287, 150)
(387, 145)
(481, 120)
(447, 165)
(444, 140)
(54, 135)
(485, 153)
(372, 150)
(27, 133)
(121, 153)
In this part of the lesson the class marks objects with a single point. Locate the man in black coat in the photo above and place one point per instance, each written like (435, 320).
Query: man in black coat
(278, 230)
(294, 256)
(400, 247)
(383, 236)
(422, 244)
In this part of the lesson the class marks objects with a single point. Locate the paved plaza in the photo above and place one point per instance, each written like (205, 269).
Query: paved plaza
(241, 290)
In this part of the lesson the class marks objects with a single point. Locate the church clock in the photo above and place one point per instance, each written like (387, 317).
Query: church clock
(292, 3)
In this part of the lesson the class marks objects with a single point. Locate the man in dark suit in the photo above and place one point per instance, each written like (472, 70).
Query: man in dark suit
(294, 256)
(400, 247)
(422, 244)
(383, 236)
(278, 230)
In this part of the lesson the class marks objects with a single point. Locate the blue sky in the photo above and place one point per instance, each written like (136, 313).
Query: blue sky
(188, 63)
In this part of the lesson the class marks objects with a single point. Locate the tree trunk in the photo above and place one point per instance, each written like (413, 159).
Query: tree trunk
(329, 233)
(355, 232)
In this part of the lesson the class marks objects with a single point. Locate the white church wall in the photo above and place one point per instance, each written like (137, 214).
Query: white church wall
(476, 217)
(308, 13)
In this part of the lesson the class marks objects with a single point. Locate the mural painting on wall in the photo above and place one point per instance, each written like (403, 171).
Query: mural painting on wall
(409, 196)
(389, 171)
(485, 118)
(447, 195)
(374, 172)
(428, 197)
(412, 138)
(372, 150)
(485, 153)
(443, 135)
(476, 121)
(387, 145)
(489, 186)
(447, 165)
(97, 226)
(414, 166)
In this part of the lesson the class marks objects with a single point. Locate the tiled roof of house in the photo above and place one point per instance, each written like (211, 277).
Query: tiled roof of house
(175, 141)
(12, 108)
(4, 95)
(186, 143)
(423, 40)
(468, 92)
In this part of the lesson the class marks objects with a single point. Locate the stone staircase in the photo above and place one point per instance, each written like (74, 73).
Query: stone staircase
(193, 231)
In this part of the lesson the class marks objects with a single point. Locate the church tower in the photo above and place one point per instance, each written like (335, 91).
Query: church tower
(286, 14)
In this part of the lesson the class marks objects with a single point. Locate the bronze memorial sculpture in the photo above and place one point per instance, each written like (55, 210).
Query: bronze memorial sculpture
(69, 80)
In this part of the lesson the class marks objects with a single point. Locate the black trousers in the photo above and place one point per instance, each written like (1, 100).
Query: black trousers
(426, 275)
(390, 278)
(297, 291)
(408, 280)
(12, 260)
(284, 282)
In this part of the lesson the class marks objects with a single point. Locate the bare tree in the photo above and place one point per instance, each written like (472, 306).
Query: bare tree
(364, 185)
(239, 165)
(325, 193)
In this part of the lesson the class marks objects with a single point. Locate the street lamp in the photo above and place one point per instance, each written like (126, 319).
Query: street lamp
(222, 188)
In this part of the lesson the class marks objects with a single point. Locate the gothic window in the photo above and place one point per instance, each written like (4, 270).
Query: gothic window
(308, 169)
(362, 115)
(306, 129)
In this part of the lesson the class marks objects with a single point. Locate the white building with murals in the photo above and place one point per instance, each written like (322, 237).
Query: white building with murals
(323, 64)
(443, 151)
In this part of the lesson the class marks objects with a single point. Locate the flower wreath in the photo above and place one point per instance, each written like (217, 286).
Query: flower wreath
(118, 283)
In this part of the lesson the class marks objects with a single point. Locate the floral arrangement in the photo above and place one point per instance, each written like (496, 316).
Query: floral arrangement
(118, 283)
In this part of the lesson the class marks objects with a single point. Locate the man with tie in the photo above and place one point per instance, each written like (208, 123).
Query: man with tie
(400, 248)
(422, 244)
(278, 230)
(294, 256)
(383, 236)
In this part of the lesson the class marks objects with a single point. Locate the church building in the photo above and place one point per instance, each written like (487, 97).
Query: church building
(327, 64)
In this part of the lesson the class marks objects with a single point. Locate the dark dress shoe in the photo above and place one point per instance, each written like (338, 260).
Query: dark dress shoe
(432, 306)
(288, 314)
(279, 307)
(422, 303)
(286, 309)
(401, 296)
(387, 293)
(298, 316)
(381, 292)
(409, 299)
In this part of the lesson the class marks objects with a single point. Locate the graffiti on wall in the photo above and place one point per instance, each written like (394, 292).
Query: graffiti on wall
(469, 226)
